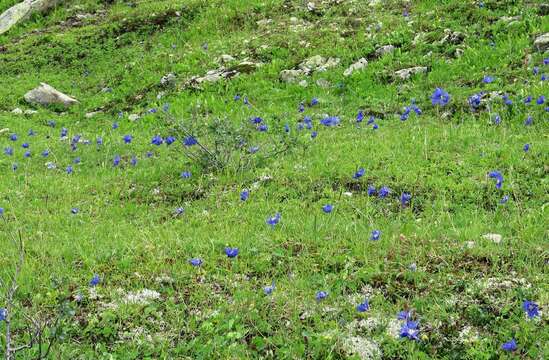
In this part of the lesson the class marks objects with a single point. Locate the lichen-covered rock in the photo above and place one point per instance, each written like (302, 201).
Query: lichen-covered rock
(22, 11)
(405, 74)
(359, 65)
(542, 42)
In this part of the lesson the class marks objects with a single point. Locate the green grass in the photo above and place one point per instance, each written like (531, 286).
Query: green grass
(126, 232)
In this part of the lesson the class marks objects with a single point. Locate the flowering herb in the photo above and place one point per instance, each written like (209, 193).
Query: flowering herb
(273, 220)
(498, 176)
(231, 252)
(531, 308)
(327, 208)
(510, 345)
(375, 235)
(363, 307)
(321, 295)
(440, 97)
(195, 262)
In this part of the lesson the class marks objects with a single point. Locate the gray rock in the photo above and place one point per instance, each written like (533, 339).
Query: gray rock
(303, 83)
(323, 83)
(318, 63)
(225, 58)
(384, 50)
(92, 114)
(452, 37)
(359, 65)
(543, 9)
(46, 95)
(245, 67)
(542, 42)
(405, 74)
(23, 11)
(17, 111)
(133, 117)
(289, 76)
(168, 79)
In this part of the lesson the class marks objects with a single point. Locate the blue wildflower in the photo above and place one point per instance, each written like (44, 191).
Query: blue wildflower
(262, 127)
(69, 169)
(474, 100)
(116, 160)
(364, 306)
(540, 100)
(74, 211)
(8, 150)
(308, 122)
(360, 173)
(195, 262)
(528, 99)
(185, 174)
(76, 160)
(314, 101)
(157, 140)
(64, 132)
(115, 125)
(531, 308)
(510, 345)
(231, 252)
(330, 121)
(3, 314)
(403, 315)
(25, 145)
(497, 120)
(51, 123)
(244, 195)
(178, 211)
(375, 127)
(133, 161)
(504, 199)
(546, 61)
(95, 280)
(286, 128)
(13, 137)
(526, 147)
(488, 79)
(190, 141)
(321, 295)
(314, 134)
(301, 107)
(440, 97)
(170, 140)
(1, 211)
(99, 140)
(31, 132)
(149, 154)
(273, 220)
(375, 235)
(236, 97)
(152, 111)
(371, 190)
(529, 120)
(359, 116)
(371, 120)
(506, 100)
(268, 290)
(166, 107)
(253, 149)
(256, 120)
(127, 139)
(410, 330)
(384, 192)
(498, 176)
(405, 198)
(27, 154)
(327, 208)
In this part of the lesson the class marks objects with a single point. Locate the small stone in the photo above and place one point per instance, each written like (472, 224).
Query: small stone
(384, 50)
(17, 111)
(290, 76)
(311, 6)
(405, 74)
(106, 90)
(542, 42)
(168, 79)
(496, 238)
(91, 114)
(30, 112)
(359, 65)
(543, 9)
(5, 130)
(133, 117)
(303, 83)
(225, 58)
(459, 52)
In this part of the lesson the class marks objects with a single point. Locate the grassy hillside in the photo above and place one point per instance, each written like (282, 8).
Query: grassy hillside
(91, 195)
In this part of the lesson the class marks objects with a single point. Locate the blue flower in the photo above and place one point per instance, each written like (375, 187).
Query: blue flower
(474, 100)
(506, 100)
(403, 315)
(253, 149)
(371, 190)
(509, 345)
(487, 79)
(440, 97)
(152, 111)
(262, 127)
(405, 198)
(244, 195)
(273, 220)
(498, 176)
(69, 169)
(95, 280)
(170, 140)
(256, 120)
(504, 199)
(3, 314)
(25, 145)
(359, 173)
(535, 70)
(268, 290)
(231, 252)
(308, 122)
(185, 174)
(195, 262)
(528, 100)
(531, 308)
(371, 120)
(362, 307)
(74, 211)
(27, 154)
(236, 97)
(115, 125)
(384, 192)
(405, 114)
(410, 330)
(359, 116)
(529, 120)
(286, 128)
(8, 150)
(157, 140)
(179, 211)
(301, 107)
(330, 121)
(526, 147)
(246, 101)
(31, 132)
(14, 167)
(189, 141)
(13, 137)
(321, 295)
(149, 154)
(327, 208)
(99, 140)
(546, 61)
(1, 211)
(128, 139)
(314, 101)
(375, 127)
(540, 100)
(116, 160)
(314, 134)
(166, 107)
(375, 235)
(497, 120)
(51, 123)
(133, 161)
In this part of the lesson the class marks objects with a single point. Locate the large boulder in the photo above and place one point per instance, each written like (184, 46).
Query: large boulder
(22, 11)
(47, 95)
(542, 42)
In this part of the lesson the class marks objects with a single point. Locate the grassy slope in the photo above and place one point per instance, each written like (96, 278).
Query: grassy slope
(126, 233)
